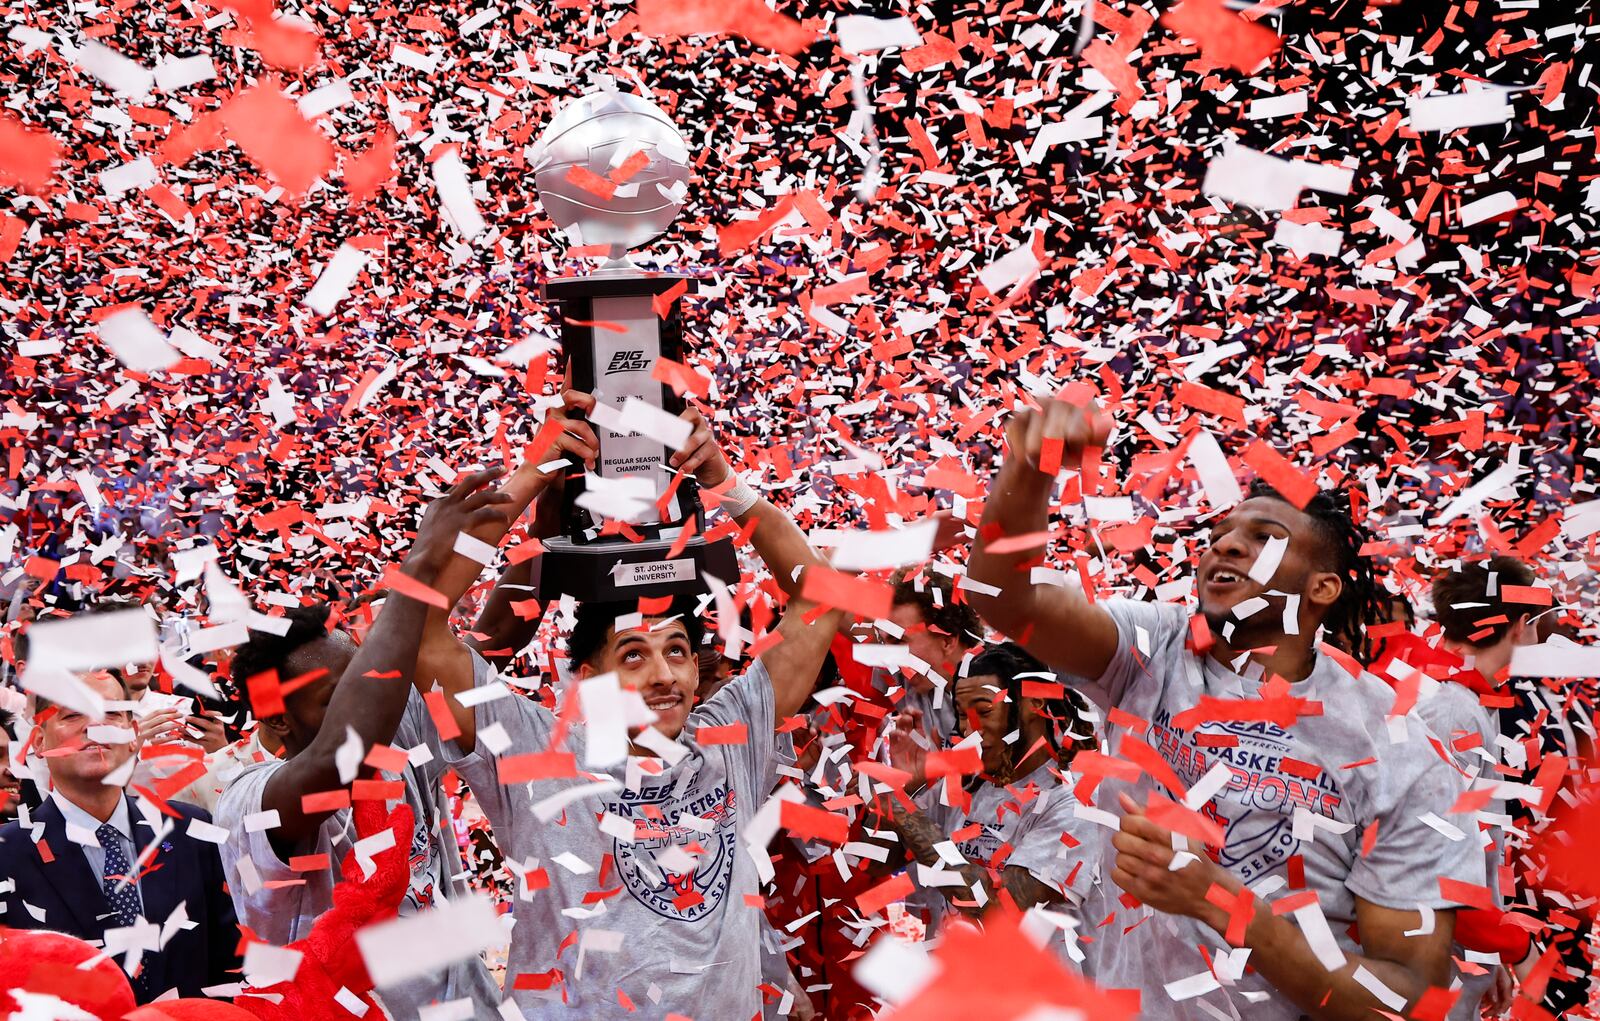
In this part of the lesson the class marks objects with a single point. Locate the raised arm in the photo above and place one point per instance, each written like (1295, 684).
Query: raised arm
(1056, 624)
(806, 629)
(777, 539)
(505, 625)
(443, 659)
(793, 664)
(501, 630)
(370, 697)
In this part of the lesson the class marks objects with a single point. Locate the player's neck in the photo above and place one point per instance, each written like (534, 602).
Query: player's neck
(1487, 660)
(1034, 759)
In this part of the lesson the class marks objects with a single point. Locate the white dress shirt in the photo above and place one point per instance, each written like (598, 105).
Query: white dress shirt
(80, 823)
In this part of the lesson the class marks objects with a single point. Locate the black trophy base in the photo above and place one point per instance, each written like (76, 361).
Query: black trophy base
(626, 571)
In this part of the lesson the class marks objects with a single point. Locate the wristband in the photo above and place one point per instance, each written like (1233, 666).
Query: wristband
(739, 499)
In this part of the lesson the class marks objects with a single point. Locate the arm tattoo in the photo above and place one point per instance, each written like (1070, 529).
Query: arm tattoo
(1027, 891)
(918, 834)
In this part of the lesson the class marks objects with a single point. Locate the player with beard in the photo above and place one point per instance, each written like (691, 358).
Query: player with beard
(1011, 822)
(1325, 794)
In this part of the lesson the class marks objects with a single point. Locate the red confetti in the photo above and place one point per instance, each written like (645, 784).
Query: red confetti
(1226, 39)
(751, 19)
(268, 128)
(27, 156)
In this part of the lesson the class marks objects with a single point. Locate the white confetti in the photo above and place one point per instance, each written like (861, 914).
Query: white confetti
(451, 931)
(861, 34)
(124, 77)
(1459, 110)
(333, 284)
(877, 551)
(267, 965)
(140, 173)
(175, 73)
(1488, 208)
(136, 342)
(455, 192)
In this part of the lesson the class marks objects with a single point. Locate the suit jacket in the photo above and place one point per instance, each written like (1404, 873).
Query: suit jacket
(183, 871)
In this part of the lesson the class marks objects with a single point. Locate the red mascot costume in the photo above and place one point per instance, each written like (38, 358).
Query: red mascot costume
(37, 968)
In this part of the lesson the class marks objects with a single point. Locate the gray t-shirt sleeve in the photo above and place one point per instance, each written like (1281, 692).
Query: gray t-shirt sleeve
(241, 800)
(746, 699)
(1411, 781)
(1149, 633)
(527, 727)
(1038, 847)
(1453, 711)
(416, 728)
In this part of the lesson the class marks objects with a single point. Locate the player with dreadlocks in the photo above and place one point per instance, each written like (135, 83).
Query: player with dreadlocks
(1009, 819)
(1258, 762)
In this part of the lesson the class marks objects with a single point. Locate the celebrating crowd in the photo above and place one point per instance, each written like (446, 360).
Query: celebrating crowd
(1155, 442)
(1274, 799)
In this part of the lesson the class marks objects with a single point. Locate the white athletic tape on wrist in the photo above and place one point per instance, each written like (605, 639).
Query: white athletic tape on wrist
(739, 499)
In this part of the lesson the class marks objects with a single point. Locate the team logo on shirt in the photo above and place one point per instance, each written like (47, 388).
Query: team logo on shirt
(981, 849)
(424, 851)
(687, 895)
(1256, 808)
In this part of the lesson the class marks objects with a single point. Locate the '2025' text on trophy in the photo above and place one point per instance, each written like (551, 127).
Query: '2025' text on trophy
(611, 336)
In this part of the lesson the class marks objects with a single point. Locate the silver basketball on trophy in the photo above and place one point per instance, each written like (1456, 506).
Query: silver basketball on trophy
(598, 133)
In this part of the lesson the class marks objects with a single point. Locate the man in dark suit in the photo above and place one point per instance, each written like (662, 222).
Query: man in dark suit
(112, 869)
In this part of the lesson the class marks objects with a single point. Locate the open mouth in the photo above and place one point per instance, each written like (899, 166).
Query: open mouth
(1224, 576)
(664, 702)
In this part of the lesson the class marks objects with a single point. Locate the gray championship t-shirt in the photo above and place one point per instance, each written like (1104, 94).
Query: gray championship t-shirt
(283, 914)
(1035, 822)
(1033, 817)
(635, 893)
(1154, 677)
(1453, 712)
(937, 704)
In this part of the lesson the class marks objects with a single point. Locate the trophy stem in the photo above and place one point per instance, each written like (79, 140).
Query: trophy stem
(618, 265)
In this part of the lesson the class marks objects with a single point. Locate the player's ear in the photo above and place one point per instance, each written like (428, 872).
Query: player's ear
(1323, 589)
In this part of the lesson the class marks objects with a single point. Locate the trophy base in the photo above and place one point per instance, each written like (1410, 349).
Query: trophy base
(626, 571)
(616, 279)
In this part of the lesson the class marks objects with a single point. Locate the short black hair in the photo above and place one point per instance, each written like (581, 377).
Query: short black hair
(266, 651)
(947, 615)
(1461, 599)
(1362, 602)
(596, 619)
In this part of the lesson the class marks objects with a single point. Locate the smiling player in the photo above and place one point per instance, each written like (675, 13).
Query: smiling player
(634, 892)
(1300, 735)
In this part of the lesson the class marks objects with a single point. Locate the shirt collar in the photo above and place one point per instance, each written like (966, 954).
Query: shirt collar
(78, 817)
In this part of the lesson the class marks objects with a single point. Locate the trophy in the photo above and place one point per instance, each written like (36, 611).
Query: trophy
(612, 335)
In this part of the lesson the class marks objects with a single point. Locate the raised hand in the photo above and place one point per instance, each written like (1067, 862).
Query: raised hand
(575, 438)
(206, 731)
(700, 456)
(1076, 428)
(466, 506)
(905, 751)
(160, 726)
